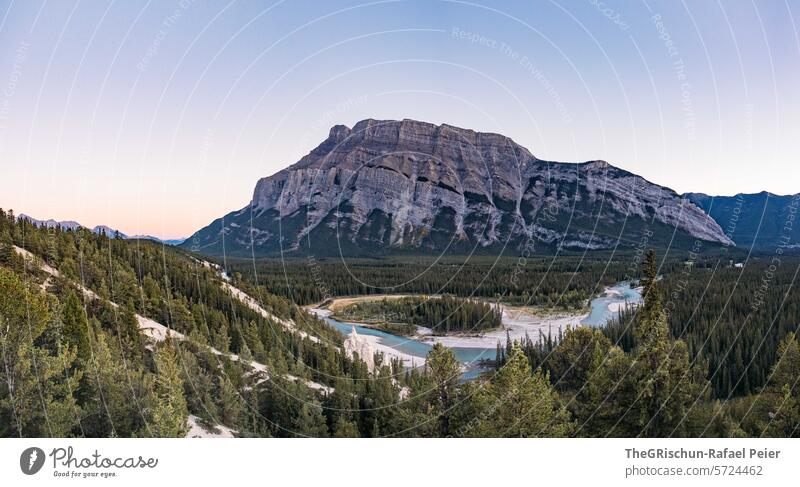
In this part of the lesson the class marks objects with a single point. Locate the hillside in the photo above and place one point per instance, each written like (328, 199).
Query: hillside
(132, 338)
(762, 220)
(108, 337)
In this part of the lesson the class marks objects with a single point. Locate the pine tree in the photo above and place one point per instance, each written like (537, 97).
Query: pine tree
(310, 421)
(116, 390)
(786, 371)
(45, 397)
(37, 385)
(76, 329)
(127, 327)
(340, 404)
(170, 415)
(664, 380)
(445, 371)
(783, 393)
(7, 253)
(649, 274)
(525, 405)
(577, 357)
(345, 429)
(231, 406)
(609, 393)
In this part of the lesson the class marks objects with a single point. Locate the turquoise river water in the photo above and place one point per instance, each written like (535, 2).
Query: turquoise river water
(618, 295)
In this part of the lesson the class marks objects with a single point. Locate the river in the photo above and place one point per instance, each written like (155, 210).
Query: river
(608, 306)
(471, 350)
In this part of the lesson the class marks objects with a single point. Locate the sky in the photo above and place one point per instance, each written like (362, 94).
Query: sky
(156, 117)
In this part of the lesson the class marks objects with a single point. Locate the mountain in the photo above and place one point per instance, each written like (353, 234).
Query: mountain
(408, 186)
(66, 224)
(72, 225)
(762, 220)
(108, 231)
(170, 241)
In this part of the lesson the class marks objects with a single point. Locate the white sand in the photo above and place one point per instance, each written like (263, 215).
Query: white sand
(516, 323)
(423, 331)
(253, 304)
(197, 431)
(377, 344)
(391, 353)
(155, 330)
(311, 384)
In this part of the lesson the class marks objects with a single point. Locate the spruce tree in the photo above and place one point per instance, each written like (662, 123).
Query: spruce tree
(525, 405)
(310, 421)
(783, 393)
(76, 329)
(37, 384)
(117, 389)
(170, 415)
(128, 328)
(345, 429)
(445, 371)
(664, 380)
(231, 406)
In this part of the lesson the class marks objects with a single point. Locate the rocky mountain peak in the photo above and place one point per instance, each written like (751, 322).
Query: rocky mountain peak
(387, 185)
(414, 136)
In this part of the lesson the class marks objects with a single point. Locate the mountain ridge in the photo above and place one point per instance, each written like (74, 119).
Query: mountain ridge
(388, 186)
(73, 225)
(761, 221)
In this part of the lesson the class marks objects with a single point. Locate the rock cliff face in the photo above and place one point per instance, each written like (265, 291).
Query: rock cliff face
(354, 344)
(408, 186)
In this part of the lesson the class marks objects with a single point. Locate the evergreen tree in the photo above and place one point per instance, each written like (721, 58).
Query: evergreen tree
(169, 417)
(445, 371)
(127, 327)
(578, 366)
(664, 380)
(310, 421)
(345, 429)
(37, 385)
(76, 329)
(577, 357)
(610, 391)
(117, 392)
(783, 394)
(231, 406)
(525, 405)
(7, 253)
(786, 371)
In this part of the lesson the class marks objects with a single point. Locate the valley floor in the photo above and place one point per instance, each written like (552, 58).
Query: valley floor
(518, 321)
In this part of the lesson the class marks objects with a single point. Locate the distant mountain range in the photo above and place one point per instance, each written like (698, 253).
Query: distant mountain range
(73, 225)
(762, 221)
(386, 187)
(406, 186)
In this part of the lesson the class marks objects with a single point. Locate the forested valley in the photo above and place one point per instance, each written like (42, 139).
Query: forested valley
(80, 315)
(564, 283)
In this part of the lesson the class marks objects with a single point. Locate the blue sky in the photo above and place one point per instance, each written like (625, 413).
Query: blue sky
(157, 117)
